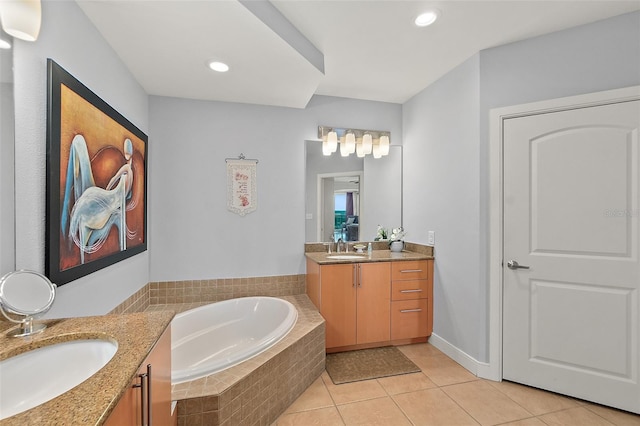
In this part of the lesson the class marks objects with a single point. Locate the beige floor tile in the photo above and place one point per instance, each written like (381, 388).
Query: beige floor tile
(352, 392)
(617, 417)
(533, 421)
(406, 383)
(432, 407)
(373, 412)
(579, 416)
(316, 396)
(485, 403)
(419, 349)
(321, 417)
(442, 370)
(534, 400)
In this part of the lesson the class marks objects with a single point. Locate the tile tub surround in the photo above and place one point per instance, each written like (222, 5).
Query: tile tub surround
(91, 402)
(258, 390)
(208, 291)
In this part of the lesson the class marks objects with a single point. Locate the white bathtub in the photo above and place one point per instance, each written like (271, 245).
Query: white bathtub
(217, 336)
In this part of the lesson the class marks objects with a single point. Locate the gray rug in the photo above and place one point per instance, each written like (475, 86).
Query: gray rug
(365, 364)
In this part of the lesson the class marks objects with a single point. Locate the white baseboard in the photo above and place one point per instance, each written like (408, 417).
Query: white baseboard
(478, 368)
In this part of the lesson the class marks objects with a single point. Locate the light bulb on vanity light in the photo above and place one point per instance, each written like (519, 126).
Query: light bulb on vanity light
(376, 151)
(350, 141)
(332, 141)
(360, 149)
(21, 18)
(344, 149)
(384, 145)
(367, 143)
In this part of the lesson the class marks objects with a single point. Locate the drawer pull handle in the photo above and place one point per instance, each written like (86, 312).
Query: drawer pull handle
(404, 311)
(418, 290)
(408, 271)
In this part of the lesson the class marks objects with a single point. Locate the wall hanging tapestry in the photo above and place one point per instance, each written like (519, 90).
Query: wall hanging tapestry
(96, 181)
(242, 194)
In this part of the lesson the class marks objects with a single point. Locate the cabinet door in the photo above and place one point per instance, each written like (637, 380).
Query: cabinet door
(338, 304)
(131, 409)
(127, 412)
(160, 360)
(374, 295)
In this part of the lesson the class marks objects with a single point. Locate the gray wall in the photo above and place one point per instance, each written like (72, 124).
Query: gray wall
(71, 40)
(446, 163)
(194, 235)
(441, 169)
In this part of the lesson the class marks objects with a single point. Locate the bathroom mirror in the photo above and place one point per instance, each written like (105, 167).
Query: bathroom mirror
(24, 295)
(375, 186)
(7, 118)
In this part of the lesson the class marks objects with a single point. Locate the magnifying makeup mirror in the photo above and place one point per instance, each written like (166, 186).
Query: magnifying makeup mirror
(25, 295)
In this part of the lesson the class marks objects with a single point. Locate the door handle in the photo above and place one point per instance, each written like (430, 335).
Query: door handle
(512, 264)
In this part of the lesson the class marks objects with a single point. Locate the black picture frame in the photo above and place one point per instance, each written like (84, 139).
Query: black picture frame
(91, 224)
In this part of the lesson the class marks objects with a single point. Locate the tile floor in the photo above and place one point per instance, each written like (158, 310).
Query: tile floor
(444, 393)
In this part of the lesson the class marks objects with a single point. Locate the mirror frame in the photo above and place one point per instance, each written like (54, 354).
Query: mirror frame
(8, 307)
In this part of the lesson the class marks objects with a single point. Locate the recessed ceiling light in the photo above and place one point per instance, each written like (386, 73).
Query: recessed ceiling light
(218, 66)
(427, 18)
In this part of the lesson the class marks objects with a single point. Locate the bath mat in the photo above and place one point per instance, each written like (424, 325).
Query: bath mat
(365, 364)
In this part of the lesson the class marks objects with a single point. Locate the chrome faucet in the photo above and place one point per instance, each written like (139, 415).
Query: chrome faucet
(339, 246)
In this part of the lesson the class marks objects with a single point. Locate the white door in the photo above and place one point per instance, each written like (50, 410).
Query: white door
(571, 212)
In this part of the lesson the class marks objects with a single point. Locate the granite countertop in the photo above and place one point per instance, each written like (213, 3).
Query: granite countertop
(91, 402)
(377, 255)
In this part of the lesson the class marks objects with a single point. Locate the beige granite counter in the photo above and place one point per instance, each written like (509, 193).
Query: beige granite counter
(323, 258)
(91, 402)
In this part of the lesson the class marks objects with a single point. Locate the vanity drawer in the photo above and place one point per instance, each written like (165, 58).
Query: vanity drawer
(409, 270)
(409, 319)
(410, 289)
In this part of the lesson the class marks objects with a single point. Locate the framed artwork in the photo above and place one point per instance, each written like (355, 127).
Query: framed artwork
(96, 203)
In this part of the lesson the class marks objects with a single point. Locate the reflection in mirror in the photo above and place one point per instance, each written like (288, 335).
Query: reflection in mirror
(23, 296)
(7, 245)
(375, 186)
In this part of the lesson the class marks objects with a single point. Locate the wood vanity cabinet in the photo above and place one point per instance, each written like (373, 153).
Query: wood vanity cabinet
(411, 299)
(354, 301)
(133, 407)
(373, 304)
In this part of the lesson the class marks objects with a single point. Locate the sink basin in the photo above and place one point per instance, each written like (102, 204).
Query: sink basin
(346, 257)
(35, 377)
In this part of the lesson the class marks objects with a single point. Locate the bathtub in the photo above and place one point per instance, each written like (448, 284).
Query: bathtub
(218, 336)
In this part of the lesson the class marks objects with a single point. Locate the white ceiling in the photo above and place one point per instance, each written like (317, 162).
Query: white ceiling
(372, 50)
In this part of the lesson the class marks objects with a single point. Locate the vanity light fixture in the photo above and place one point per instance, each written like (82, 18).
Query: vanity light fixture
(21, 18)
(427, 18)
(360, 142)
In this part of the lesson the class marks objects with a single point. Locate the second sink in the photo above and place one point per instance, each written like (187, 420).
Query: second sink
(346, 256)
